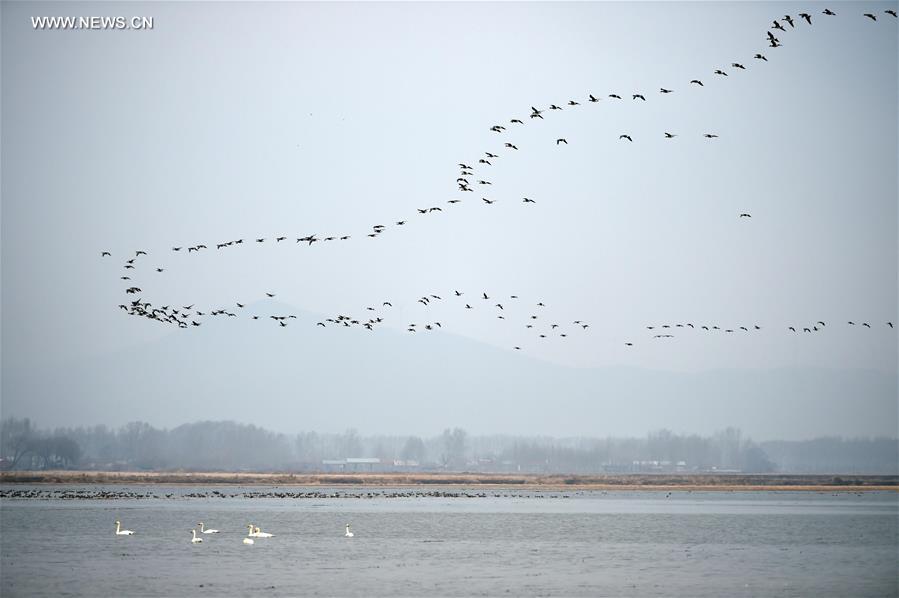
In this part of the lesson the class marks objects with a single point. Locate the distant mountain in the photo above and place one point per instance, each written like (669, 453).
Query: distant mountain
(305, 377)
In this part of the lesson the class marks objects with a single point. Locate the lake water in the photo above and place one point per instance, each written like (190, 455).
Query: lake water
(507, 543)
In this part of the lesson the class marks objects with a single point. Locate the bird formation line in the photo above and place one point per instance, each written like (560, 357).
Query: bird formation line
(537, 324)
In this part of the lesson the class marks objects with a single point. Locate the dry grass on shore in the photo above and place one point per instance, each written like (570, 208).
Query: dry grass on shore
(705, 482)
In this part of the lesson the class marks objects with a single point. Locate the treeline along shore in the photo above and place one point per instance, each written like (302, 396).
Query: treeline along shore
(702, 482)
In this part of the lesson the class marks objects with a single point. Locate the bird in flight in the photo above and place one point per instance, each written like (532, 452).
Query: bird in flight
(105, 253)
(760, 57)
(488, 201)
(638, 96)
(710, 136)
(628, 137)
(526, 200)
(807, 17)
(827, 11)
(509, 145)
(888, 11)
(670, 135)
(560, 140)
(593, 99)
(663, 90)
(789, 20)
(777, 25)
(737, 65)
(720, 72)
(614, 95)
(697, 82)
(745, 215)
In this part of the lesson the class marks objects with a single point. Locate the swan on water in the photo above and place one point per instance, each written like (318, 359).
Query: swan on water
(195, 539)
(348, 533)
(248, 541)
(207, 531)
(122, 532)
(256, 532)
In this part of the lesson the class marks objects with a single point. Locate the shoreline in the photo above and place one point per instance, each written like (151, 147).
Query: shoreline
(537, 482)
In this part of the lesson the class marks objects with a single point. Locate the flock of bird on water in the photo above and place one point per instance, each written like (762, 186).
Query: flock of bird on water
(253, 531)
(535, 319)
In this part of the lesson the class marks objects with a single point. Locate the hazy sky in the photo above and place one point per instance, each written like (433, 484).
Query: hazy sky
(244, 120)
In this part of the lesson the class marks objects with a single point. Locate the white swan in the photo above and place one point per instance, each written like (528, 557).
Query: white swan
(207, 531)
(122, 532)
(348, 533)
(258, 533)
(248, 541)
(195, 539)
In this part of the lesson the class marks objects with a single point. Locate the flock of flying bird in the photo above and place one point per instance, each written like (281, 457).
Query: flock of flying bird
(469, 176)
